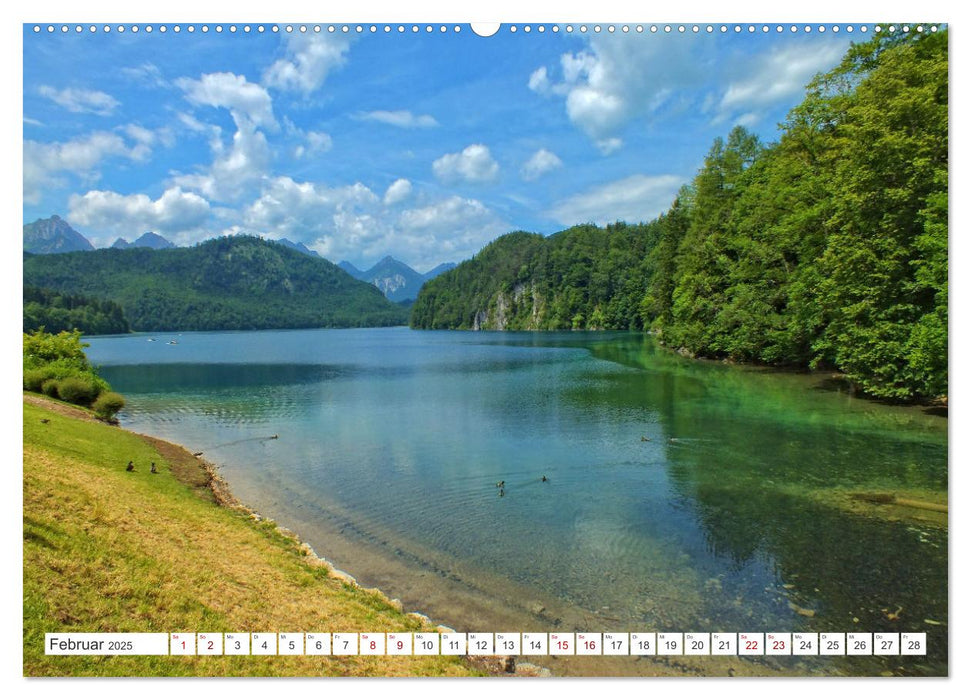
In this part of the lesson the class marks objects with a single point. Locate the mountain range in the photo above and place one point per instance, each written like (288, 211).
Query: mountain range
(146, 240)
(229, 283)
(398, 281)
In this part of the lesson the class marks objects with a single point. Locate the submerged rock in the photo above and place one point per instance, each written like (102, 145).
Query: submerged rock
(805, 612)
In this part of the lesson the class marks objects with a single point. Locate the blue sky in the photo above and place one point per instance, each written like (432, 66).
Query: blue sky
(424, 146)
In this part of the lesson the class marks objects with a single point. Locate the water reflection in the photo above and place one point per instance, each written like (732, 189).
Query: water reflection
(682, 495)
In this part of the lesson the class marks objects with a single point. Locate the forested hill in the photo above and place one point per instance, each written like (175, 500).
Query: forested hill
(582, 278)
(229, 283)
(827, 248)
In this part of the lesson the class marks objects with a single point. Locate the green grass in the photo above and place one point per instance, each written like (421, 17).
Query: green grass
(106, 550)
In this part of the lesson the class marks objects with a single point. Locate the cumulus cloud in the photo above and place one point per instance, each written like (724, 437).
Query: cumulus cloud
(400, 118)
(616, 79)
(633, 199)
(540, 163)
(44, 162)
(238, 167)
(451, 229)
(352, 222)
(244, 100)
(444, 214)
(335, 221)
(397, 192)
(309, 58)
(235, 168)
(300, 208)
(472, 164)
(81, 100)
(110, 214)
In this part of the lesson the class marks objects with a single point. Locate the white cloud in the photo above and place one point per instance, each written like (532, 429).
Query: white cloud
(147, 73)
(319, 141)
(81, 100)
(110, 214)
(540, 163)
(599, 112)
(451, 229)
(193, 124)
(33, 122)
(442, 215)
(139, 133)
(238, 167)
(539, 81)
(473, 164)
(334, 221)
(287, 207)
(618, 78)
(398, 191)
(777, 76)
(315, 142)
(400, 118)
(633, 199)
(308, 60)
(352, 222)
(146, 138)
(234, 169)
(608, 146)
(244, 100)
(44, 161)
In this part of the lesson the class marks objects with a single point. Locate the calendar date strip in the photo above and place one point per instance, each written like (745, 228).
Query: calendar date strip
(486, 644)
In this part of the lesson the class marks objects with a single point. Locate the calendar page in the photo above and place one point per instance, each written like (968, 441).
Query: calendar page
(522, 349)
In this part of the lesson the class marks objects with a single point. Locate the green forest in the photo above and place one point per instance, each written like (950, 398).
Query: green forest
(825, 249)
(228, 283)
(583, 278)
(56, 312)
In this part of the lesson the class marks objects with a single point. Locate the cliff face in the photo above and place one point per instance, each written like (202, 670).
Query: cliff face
(521, 309)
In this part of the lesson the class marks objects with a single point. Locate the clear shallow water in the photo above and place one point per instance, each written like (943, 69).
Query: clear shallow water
(391, 443)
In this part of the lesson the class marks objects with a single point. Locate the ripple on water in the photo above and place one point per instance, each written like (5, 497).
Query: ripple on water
(718, 519)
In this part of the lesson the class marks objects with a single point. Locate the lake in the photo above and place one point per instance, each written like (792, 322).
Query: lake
(680, 495)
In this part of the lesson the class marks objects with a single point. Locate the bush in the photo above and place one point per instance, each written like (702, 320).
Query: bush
(49, 387)
(108, 404)
(44, 348)
(78, 390)
(34, 378)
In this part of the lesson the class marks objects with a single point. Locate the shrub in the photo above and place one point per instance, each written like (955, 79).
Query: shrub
(34, 378)
(108, 404)
(42, 348)
(49, 387)
(79, 390)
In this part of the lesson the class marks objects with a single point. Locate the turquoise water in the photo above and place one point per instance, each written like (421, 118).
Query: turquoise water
(680, 495)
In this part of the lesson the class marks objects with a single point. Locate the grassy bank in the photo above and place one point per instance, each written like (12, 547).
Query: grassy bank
(107, 550)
